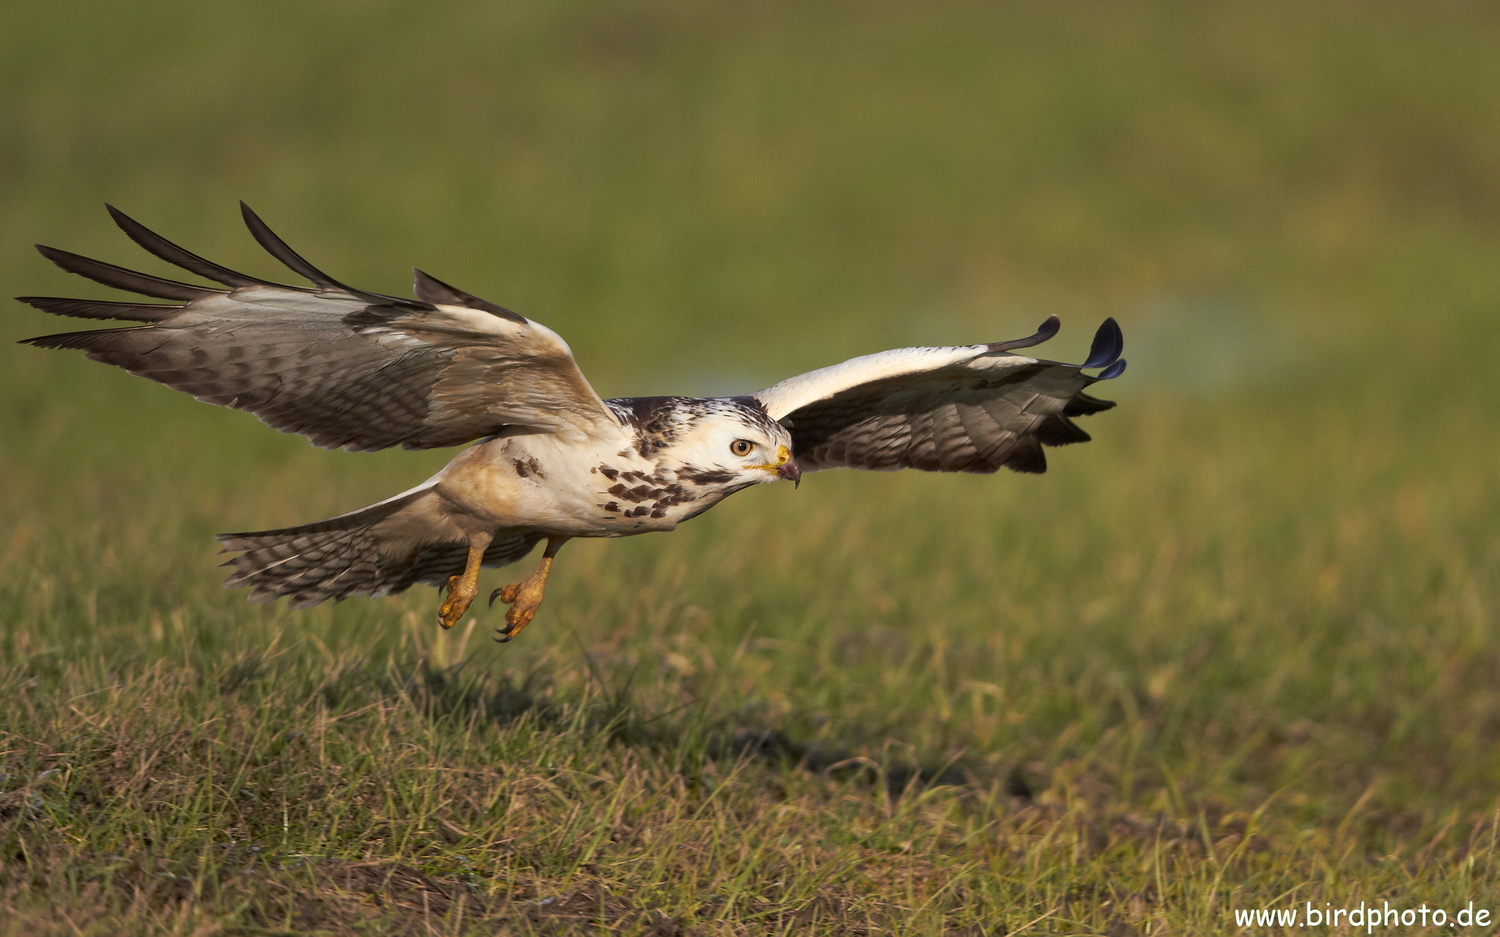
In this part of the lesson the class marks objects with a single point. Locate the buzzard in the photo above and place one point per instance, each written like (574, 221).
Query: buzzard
(550, 459)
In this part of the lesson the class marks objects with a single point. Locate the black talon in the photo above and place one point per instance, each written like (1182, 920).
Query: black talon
(504, 635)
(495, 595)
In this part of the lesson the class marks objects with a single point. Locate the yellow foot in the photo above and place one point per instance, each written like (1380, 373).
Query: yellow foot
(458, 601)
(524, 599)
(462, 588)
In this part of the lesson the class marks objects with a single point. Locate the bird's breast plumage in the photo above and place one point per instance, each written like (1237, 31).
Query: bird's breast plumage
(601, 487)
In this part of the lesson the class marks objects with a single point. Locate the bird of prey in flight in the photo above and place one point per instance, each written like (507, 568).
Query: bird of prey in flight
(550, 459)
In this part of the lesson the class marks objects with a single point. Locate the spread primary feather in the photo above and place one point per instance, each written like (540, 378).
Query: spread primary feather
(551, 460)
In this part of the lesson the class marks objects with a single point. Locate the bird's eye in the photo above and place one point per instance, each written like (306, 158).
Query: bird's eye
(741, 447)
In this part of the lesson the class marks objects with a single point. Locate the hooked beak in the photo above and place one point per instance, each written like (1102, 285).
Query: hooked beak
(784, 467)
(791, 471)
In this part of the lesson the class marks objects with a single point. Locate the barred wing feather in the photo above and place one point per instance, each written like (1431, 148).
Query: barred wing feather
(344, 367)
(968, 408)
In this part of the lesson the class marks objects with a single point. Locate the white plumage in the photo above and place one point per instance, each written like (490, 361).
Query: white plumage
(553, 461)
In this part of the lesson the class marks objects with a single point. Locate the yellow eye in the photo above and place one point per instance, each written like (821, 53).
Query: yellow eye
(741, 447)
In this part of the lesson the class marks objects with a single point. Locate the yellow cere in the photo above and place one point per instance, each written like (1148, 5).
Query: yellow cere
(783, 455)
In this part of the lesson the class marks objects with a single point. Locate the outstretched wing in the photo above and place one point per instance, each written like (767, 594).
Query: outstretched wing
(966, 408)
(339, 365)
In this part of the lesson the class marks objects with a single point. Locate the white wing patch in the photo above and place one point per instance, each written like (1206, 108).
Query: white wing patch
(968, 408)
(785, 396)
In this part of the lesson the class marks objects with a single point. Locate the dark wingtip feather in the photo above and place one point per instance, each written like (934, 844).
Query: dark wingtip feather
(180, 256)
(1109, 342)
(1028, 460)
(430, 289)
(87, 340)
(1045, 331)
(1114, 370)
(283, 252)
(123, 279)
(295, 262)
(1060, 431)
(1083, 405)
(99, 309)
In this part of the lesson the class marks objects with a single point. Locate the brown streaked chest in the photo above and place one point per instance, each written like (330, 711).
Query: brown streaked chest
(533, 482)
(636, 493)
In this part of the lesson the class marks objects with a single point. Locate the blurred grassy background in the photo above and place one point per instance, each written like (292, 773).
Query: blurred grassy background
(1265, 591)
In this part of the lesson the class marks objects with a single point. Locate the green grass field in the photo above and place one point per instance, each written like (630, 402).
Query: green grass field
(1237, 652)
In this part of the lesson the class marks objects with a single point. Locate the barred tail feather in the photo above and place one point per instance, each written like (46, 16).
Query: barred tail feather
(375, 551)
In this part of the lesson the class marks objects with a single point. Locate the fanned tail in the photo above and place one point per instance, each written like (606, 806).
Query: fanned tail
(378, 550)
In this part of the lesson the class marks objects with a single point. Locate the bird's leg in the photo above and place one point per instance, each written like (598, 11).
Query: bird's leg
(464, 587)
(525, 597)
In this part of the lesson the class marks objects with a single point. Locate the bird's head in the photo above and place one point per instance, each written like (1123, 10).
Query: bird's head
(732, 443)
